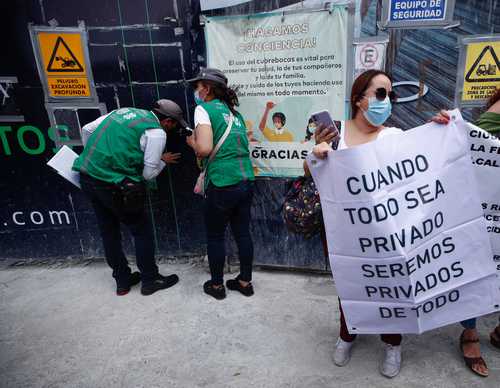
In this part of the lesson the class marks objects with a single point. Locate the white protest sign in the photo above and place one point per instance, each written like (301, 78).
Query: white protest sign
(485, 150)
(408, 244)
(62, 162)
(286, 67)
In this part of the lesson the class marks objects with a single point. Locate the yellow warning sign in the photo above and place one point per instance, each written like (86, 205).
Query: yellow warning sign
(70, 86)
(482, 70)
(63, 61)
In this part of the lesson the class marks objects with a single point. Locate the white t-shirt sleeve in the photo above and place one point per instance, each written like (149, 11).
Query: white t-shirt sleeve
(88, 129)
(153, 144)
(201, 116)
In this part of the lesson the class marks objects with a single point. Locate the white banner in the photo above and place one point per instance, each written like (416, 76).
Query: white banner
(485, 150)
(286, 66)
(409, 248)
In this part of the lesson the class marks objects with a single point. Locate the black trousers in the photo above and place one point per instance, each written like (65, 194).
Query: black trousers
(106, 201)
(229, 206)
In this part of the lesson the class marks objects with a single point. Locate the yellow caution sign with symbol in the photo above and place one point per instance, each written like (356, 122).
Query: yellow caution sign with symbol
(482, 70)
(63, 61)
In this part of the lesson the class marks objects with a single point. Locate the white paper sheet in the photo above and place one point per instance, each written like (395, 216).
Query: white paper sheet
(62, 162)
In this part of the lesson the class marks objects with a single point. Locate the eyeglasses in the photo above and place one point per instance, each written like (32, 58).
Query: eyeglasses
(381, 94)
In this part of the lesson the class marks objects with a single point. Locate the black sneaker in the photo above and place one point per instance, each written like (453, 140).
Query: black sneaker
(235, 285)
(160, 283)
(123, 287)
(217, 293)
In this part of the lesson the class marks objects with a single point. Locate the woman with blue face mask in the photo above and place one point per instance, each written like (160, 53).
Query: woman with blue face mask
(229, 178)
(371, 106)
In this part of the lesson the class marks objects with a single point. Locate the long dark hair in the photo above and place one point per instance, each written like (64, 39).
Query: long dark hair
(493, 99)
(223, 93)
(360, 85)
(309, 135)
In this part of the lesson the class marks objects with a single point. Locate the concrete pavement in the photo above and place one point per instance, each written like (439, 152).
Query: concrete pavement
(64, 327)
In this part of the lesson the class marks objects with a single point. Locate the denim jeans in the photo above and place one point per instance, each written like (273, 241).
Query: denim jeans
(225, 206)
(105, 201)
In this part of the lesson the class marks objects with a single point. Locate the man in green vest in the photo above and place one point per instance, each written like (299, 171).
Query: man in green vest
(121, 151)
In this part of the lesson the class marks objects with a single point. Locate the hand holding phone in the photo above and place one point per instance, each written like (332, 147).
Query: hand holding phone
(323, 117)
(327, 130)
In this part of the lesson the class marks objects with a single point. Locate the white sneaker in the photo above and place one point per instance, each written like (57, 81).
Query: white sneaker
(342, 352)
(391, 365)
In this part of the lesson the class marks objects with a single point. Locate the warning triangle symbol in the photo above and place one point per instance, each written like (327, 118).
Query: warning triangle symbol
(62, 59)
(486, 67)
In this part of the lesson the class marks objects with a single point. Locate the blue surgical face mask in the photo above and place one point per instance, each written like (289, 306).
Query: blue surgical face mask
(378, 111)
(197, 99)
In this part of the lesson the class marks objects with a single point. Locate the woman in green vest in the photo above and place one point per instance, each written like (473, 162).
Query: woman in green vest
(229, 178)
(469, 339)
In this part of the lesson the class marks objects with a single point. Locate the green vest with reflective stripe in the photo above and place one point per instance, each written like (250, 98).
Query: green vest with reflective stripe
(232, 163)
(113, 151)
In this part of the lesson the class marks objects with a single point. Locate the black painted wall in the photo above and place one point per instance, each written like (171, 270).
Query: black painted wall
(133, 63)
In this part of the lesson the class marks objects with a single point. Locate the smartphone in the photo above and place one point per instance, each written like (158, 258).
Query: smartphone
(324, 118)
(185, 132)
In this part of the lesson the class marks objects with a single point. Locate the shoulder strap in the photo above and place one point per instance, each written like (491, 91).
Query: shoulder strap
(221, 140)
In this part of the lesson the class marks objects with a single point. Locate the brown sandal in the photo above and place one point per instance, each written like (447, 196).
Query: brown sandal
(472, 362)
(495, 337)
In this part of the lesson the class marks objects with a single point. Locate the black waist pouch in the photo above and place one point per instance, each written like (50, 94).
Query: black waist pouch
(130, 197)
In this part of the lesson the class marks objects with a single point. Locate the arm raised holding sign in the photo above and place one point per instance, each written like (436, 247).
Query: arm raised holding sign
(469, 339)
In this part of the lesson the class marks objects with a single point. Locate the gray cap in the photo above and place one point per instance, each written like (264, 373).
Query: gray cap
(171, 110)
(214, 75)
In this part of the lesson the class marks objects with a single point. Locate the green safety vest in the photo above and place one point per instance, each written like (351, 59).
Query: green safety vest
(231, 164)
(490, 122)
(113, 151)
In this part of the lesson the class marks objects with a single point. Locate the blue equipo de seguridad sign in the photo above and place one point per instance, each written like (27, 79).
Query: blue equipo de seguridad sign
(405, 10)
